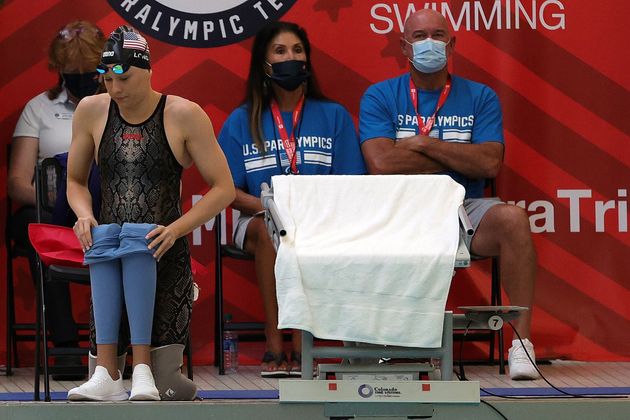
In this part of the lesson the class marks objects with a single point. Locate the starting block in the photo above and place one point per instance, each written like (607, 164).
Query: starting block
(387, 389)
(300, 390)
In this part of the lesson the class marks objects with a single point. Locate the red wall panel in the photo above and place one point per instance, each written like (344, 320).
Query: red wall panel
(562, 78)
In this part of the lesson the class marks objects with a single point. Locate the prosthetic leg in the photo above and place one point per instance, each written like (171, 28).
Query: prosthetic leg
(167, 362)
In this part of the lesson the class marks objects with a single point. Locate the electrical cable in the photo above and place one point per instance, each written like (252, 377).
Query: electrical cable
(462, 377)
(603, 396)
(494, 408)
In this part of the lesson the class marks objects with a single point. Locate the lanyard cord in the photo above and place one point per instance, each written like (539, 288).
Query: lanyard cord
(276, 134)
(424, 128)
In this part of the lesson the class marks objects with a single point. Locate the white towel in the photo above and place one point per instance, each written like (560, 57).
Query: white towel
(367, 258)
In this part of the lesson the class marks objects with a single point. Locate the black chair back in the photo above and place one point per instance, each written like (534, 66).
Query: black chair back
(47, 175)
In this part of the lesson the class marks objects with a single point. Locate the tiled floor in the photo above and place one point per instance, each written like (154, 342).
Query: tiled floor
(559, 373)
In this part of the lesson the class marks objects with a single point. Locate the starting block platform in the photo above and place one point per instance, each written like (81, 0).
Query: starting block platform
(379, 391)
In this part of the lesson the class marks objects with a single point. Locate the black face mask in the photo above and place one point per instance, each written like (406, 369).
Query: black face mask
(290, 74)
(81, 85)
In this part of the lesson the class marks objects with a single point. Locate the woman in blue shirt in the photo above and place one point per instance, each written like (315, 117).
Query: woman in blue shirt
(285, 126)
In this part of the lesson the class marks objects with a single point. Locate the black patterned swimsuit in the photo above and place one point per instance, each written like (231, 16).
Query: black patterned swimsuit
(140, 183)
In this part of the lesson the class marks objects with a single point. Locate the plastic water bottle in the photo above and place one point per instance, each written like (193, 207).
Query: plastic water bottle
(230, 347)
(436, 374)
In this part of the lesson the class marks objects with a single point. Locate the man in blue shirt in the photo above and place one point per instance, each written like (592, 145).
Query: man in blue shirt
(429, 122)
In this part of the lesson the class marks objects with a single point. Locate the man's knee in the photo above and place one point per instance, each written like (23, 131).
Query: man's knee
(510, 221)
(166, 362)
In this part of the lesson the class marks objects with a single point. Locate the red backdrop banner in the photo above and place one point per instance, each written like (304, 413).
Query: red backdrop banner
(557, 65)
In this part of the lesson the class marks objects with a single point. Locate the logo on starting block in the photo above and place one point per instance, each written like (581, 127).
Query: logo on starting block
(366, 391)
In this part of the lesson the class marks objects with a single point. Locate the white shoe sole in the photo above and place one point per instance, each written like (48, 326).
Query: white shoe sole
(145, 397)
(525, 377)
(86, 397)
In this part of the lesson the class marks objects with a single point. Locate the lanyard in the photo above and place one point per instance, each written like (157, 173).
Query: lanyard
(426, 128)
(289, 143)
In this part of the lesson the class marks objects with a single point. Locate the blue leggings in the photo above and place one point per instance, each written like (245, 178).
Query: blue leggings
(122, 268)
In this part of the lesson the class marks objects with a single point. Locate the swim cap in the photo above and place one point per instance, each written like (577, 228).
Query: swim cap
(126, 46)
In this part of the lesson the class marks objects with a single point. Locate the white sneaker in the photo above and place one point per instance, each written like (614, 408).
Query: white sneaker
(142, 384)
(521, 368)
(100, 387)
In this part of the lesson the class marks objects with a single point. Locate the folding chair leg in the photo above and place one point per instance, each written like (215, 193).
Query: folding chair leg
(12, 350)
(218, 321)
(501, 354)
(10, 318)
(41, 339)
(45, 344)
(16, 358)
(38, 342)
(218, 301)
(8, 369)
(497, 300)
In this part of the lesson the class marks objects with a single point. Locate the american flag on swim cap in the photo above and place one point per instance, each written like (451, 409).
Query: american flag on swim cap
(135, 41)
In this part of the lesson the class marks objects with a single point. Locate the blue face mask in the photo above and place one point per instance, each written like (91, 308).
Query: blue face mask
(429, 55)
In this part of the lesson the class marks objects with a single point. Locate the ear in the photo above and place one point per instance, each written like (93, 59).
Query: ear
(403, 46)
(450, 48)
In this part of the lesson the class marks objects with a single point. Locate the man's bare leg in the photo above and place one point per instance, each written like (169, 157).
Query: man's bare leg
(504, 231)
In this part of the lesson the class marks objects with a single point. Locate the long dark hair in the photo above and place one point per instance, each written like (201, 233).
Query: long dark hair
(259, 93)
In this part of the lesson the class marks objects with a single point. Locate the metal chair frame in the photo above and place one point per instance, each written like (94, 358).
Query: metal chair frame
(220, 326)
(12, 326)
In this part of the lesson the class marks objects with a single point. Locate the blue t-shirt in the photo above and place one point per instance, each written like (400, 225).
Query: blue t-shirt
(471, 114)
(326, 137)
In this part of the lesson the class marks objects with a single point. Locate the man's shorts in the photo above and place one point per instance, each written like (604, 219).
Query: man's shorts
(476, 208)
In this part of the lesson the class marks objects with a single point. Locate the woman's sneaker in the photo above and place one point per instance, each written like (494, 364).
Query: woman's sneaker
(100, 387)
(142, 384)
